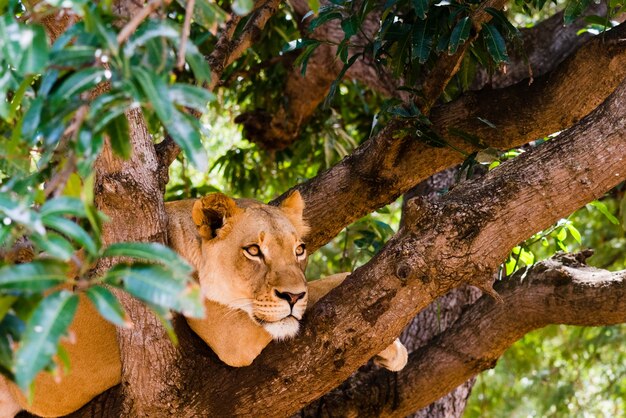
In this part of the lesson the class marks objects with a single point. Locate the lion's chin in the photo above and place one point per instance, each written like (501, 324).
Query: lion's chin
(283, 329)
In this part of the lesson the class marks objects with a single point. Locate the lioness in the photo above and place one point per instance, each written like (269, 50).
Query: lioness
(250, 260)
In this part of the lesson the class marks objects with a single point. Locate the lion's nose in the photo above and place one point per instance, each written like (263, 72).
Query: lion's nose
(291, 298)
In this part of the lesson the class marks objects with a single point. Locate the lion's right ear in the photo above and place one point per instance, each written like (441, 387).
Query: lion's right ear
(211, 212)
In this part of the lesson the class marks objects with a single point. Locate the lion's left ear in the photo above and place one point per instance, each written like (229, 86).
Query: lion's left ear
(292, 207)
(210, 214)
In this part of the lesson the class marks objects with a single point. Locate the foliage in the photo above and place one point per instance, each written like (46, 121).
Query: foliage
(62, 100)
(559, 370)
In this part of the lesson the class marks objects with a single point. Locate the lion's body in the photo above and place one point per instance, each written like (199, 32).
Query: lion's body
(250, 262)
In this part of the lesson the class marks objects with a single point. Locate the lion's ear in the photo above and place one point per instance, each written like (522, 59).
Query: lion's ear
(292, 207)
(211, 212)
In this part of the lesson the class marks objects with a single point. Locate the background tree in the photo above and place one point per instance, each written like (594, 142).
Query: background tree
(102, 98)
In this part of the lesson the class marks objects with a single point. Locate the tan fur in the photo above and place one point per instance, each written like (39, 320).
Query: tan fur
(212, 234)
(94, 367)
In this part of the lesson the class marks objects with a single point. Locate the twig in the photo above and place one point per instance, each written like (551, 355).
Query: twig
(138, 18)
(185, 35)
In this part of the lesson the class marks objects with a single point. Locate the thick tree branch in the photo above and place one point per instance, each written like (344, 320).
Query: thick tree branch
(390, 163)
(561, 290)
(557, 291)
(441, 247)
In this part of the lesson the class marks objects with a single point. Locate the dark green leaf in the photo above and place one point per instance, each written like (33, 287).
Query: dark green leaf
(108, 306)
(71, 230)
(149, 251)
(35, 276)
(79, 82)
(500, 18)
(48, 323)
(573, 9)
(495, 43)
(158, 286)
(350, 26)
(323, 18)
(460, 34)
(422, 41)
(420, 7)
(191, 96)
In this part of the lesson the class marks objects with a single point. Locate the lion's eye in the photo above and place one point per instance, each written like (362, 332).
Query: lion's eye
(253, 250)
(300, 250)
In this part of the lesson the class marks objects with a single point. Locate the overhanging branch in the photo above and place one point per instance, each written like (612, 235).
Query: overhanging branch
(441, 247)
(390, 163)
(561, 290)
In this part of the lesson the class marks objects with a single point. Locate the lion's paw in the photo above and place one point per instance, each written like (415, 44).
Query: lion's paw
(394, 357)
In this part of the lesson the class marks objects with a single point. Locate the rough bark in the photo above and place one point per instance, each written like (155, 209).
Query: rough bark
(562, 290)
(391, 162)
(444, 246)
(448, 246)
(129, 190)
(367, 386)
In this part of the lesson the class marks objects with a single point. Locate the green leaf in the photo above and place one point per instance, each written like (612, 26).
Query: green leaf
(350, 26)
(605, 211)
(191, 96)
(495, 43)
(500, 18)
(19, 212)
(6, 301)
(421, 8)
(35, 276)
(178, 125)
(198, 63)
(78, 82)
(314, 5)
(561, 234)
(45, 327)
(460, 34)
(74, 56)
(324, 17)
(158, 286)
(149, 251)
(574, 232)
(573, 9)
(422, 41)
(117, 129)
(63, 206)
(108, 306)
(54, 245)
(33, 48)
(71, 230)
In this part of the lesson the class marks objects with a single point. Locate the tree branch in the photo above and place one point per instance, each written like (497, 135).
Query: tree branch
(441, 247)
(561, 290)
(390, 163)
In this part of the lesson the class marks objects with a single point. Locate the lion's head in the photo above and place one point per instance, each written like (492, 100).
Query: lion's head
(252, 258)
